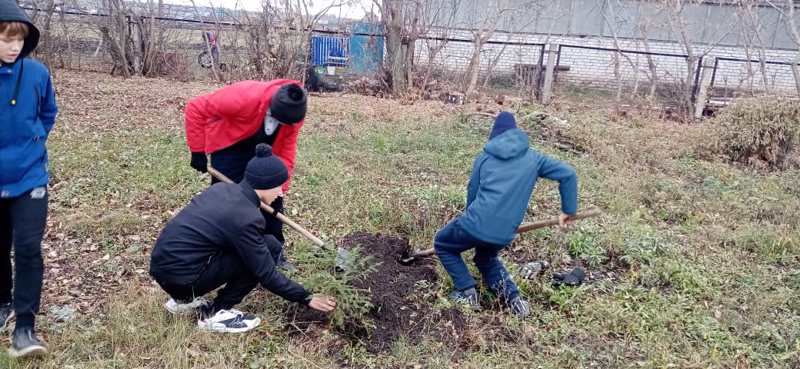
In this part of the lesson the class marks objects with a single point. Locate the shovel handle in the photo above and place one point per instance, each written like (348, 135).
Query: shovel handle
(272, 211)
(526, 227)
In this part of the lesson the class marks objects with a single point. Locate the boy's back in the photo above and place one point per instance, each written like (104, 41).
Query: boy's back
(503, 178)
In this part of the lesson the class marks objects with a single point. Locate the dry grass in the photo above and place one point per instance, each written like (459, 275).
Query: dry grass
(695, 264)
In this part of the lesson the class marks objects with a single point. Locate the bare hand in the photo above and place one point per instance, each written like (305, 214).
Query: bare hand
(322, 303)
(565, 220)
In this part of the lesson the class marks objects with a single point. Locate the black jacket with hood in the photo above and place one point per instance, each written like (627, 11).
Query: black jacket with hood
(224, 218)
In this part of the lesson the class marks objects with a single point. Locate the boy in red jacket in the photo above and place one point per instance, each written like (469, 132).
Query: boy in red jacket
(230, 122)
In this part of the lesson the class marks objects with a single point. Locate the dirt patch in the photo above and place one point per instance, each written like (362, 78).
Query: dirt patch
(401, 296)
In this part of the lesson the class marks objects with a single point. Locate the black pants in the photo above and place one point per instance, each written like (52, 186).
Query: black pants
(22, 223)
(225, 268)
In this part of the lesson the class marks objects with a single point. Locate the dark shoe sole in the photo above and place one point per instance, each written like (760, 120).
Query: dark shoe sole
(30, 351)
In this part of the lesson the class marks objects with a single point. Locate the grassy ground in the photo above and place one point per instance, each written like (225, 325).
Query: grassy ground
(695, 264)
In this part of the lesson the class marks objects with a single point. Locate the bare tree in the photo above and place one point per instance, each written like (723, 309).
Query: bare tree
(619, 55)
(787, 10)
(44, 17)
(207, 44)
(750, 35)
(697, 40)
(261, 39)
(490, 17)
(516, 27)
(150, 36)
(441, 16)
(644, 31)
(116, 34)
(400, 19)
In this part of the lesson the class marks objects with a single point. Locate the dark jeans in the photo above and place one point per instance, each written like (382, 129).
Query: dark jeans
(22, 223)
(226, 268)
(452, 240)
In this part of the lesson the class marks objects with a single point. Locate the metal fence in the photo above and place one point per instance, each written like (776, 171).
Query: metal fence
(735, 76)
(631, 73)
(514, 65)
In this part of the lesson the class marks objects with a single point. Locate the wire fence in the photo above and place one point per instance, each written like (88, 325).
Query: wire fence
(510, 63)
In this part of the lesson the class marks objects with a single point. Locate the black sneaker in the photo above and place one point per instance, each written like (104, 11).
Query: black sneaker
(573, 279)
(24, 343)
(468, 297)
(6, 313)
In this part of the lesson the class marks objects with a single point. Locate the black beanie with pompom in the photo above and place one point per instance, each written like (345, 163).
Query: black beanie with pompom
(289, 104)
(265, 171)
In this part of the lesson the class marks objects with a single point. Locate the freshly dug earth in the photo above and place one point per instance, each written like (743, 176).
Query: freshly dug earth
(401, 294)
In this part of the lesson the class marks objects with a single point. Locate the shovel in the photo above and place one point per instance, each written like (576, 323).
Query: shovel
(272, 211)
(409, 257)
(342, 256)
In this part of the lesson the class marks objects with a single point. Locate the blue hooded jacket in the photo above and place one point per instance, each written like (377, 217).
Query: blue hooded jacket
(503, 178)
(27, 113)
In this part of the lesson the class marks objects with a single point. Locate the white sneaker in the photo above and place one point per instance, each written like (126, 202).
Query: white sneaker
(229, 321)
(176, 307)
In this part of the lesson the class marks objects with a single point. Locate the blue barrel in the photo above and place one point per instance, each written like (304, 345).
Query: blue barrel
(366, 48)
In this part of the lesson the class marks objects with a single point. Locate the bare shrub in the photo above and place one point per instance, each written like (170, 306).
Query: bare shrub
(761, 132)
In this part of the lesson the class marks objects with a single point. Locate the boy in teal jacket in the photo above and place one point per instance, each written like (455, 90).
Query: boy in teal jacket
(503, 178)
(27, 114)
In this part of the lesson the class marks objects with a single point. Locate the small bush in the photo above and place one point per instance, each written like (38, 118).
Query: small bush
(761, 132)
(352, 304)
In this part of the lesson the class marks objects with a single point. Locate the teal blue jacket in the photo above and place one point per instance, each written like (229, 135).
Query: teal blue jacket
(503, 178)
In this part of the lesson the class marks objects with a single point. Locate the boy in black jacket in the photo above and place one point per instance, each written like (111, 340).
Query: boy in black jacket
(217, 240)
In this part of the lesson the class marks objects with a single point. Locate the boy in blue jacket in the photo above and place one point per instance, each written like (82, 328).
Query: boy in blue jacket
(27, 113)
(503, 178)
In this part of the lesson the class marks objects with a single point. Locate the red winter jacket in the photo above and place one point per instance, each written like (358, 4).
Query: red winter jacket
(236, 112)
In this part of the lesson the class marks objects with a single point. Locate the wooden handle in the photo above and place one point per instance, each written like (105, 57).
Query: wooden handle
(269, 209)
(525, 227)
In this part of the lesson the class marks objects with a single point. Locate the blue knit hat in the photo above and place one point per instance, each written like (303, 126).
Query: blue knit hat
(265, 171)
(502, 123)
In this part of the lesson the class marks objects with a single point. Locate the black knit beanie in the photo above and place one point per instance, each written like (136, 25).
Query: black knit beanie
(265, 171)
(289, 104)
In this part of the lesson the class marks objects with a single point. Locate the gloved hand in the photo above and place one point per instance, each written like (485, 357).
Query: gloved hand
(199, 162)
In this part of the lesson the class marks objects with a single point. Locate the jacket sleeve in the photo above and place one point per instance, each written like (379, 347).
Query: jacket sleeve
(567, 182)
(48, 110)
(196, 118)
(285, 148)
(254, 248)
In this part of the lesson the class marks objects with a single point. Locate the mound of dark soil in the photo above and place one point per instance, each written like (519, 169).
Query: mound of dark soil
(398, 295)
(401, 296)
